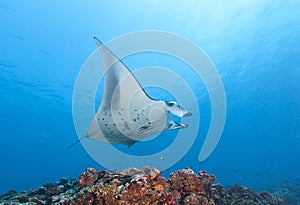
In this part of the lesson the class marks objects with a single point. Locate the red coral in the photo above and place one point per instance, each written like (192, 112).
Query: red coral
(151, 173)
(88, 177)
(206, 178)
(186, 181)
(144, 186)
(192, 199)
(131, 172)
(85, 198)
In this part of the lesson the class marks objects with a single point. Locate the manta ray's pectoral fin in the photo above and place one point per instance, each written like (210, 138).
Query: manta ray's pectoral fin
(176, 109)
(172, 125)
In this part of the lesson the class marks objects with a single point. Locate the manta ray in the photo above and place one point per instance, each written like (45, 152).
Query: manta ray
(126, 113)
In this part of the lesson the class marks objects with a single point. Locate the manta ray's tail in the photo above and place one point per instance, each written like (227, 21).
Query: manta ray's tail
(76, 142)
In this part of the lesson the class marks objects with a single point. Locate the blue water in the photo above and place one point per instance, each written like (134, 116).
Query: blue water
(253, 44)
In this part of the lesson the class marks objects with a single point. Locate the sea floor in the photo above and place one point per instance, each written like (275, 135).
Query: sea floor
(146, 186)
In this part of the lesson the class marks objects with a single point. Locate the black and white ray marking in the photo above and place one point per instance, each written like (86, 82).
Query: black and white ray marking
(127, 114)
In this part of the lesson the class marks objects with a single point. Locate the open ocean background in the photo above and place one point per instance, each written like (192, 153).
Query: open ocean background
(255, 46)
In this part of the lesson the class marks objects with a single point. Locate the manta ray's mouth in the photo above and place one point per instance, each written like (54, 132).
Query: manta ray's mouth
(187, 114)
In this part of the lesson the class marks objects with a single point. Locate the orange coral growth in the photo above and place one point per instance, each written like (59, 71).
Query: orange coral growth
(158, 187)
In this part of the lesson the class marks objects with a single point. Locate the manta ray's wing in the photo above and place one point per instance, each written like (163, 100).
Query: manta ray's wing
(123, 95)
(117, 75)
(126, 113)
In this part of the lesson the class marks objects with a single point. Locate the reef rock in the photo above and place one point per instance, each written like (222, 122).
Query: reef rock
(140, 186)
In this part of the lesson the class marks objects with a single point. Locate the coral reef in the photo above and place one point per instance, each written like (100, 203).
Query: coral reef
(62, 192)
(145, 186)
